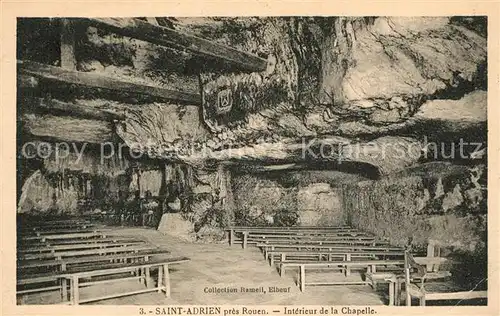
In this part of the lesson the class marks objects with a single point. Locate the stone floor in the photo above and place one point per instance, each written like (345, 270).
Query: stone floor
(221, 266)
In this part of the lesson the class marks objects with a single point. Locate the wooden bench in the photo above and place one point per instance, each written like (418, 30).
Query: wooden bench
(312, 241)
(56, 248)
(397, 277)
(162, 284)
(291, 234)
(285, 237)
(85, 252)
(244, 231)
(340, 265)
(29, 233)
(316, 240)
(287, 247)
(42, 238)
(325, 242)
(117, 272)
(284, 228)
(327, 255)
(25, 229)
(45, 221)
(424, 268)
(91, 240)
(53, 224)
(64, 262)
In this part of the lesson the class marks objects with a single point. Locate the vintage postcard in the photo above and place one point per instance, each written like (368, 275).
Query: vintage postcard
(250, 159)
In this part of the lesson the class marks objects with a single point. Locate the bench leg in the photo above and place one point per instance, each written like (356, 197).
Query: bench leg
(160, 278)
(302, 278)
(166, 280)
(64, 289)
(231, 237)
(373, 269)
(347, 268)
(397, 300)
(75, 295)
(422, 301)
(282, 270)
(391, 293)
(408, 296)
(271, 260)
(148, 277)
(245, 240)
(143, 276)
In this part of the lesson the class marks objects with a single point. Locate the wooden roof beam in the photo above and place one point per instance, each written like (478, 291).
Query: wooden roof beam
(167, 37)
(97, 80)
(71, 109)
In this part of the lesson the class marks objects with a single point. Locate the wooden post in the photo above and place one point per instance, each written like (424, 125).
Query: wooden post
(143, 276)
(422, 300)
(147, 276)
(407, 281)
(75, 295)
(282, 270)
(302, 278)
(160, 278)
(231, 237)
(430, 254)
(68, 60)
(64, 289)
(391, 293)
(398, 292)
(348, 268)
(283, 257)
(166, 280)
(245, 239)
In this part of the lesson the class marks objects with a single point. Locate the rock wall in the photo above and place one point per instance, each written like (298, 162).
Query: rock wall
(448, 207)
(261, 201)
(319, 205)
(70, 193)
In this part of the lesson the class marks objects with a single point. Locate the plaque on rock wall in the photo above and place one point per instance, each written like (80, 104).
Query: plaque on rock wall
(224, 101)
(228, 98)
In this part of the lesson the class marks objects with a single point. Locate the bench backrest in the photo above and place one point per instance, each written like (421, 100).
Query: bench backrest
(349, 263)
(116, 268)
(290, 227)
(54, 242)
(99, 233)
(90, 259)
(56, 248)
(357, 247)
(336, 252)
(85, 252)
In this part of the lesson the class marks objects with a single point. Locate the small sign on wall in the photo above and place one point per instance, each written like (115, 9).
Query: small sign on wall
(224, 101)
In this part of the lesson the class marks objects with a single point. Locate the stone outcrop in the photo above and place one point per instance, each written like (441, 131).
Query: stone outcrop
(350, 77)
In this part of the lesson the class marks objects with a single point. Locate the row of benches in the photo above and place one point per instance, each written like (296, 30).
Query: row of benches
(52, 256)
(345, 249)
(301, 235)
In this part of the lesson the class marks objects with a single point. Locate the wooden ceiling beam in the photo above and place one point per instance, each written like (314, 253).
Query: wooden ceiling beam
(171, 38)
(71, 109)
(96, 80)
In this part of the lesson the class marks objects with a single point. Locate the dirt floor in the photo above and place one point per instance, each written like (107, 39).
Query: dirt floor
(218, 266)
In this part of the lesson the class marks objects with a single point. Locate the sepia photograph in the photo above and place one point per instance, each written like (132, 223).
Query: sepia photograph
(336, 161)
